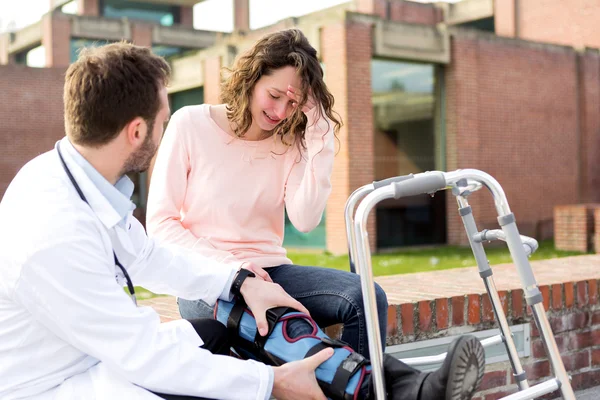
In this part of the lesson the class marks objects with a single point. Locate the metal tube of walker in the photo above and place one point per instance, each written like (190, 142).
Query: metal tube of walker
(515, 246)
(364, 268)
(421, 183)
(354, 198)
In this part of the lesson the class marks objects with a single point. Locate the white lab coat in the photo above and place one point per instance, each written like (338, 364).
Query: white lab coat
(69, 331)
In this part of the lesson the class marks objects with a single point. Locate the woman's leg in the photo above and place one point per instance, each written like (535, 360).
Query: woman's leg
(195, 309)
(332, 296)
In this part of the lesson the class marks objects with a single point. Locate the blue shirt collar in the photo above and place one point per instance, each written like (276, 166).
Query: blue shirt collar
(119, 195)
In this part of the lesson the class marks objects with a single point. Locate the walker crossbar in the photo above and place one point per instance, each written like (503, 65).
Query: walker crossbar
(462, 183)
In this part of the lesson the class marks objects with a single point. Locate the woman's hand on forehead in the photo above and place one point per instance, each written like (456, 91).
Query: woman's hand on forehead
(296, 95)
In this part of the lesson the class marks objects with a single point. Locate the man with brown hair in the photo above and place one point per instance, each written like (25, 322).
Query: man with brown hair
(69, 243)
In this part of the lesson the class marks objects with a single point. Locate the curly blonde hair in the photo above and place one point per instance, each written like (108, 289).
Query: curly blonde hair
(274, 51)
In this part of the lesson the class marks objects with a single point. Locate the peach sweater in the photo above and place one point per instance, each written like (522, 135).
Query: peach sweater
(225, 197)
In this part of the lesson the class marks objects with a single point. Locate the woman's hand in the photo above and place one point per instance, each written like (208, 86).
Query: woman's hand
(258, 271)
(296, 96)
(261, 296)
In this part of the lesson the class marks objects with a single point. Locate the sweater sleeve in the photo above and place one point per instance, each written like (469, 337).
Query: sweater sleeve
(168, 187)
(309, 183)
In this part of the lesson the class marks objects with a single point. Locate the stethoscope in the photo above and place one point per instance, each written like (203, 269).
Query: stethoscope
(74, 182)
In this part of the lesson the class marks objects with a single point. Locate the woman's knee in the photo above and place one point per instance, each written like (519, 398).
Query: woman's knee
(381, 298)
(193, 309)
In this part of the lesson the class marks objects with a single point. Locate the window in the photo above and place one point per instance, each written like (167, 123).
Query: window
(184, 98)
(403, 114)
(160, 13)
(78, 43)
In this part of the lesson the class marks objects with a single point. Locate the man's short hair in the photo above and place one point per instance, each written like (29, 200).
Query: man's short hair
(109, 86)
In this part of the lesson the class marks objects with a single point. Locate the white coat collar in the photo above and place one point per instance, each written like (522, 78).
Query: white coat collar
(98, 203)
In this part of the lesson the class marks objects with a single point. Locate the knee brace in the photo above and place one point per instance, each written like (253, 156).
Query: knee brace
(341, 377)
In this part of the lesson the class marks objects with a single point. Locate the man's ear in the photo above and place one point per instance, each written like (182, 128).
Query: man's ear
(136, 131)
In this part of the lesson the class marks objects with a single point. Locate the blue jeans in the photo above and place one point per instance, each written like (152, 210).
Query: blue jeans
(331, 296)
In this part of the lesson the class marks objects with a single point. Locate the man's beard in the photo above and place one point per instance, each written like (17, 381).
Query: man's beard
(140, 160)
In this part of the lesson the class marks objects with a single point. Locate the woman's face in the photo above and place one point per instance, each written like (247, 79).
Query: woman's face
(270, 103)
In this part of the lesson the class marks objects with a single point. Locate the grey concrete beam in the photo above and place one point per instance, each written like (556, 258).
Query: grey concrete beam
(182, 37)
(100, 28)
(26, 38)
(411, 42)
(185, 3)
(468, 10)
(186, 73)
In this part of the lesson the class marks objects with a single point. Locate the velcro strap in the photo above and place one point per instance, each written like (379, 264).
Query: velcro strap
(273, 316)
(315, 349)
(342, 376)
(234, 317)
(323, 344)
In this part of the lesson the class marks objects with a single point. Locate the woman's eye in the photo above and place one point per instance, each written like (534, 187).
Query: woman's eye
(273, 97)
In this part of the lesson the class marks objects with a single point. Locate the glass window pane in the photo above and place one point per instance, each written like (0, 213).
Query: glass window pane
(78, 43)
(160, 13)
(184, 98)
(403, 115)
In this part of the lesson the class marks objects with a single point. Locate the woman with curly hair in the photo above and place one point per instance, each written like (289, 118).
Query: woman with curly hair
(225, 173)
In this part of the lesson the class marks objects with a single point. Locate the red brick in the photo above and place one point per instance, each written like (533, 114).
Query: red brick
(517, 303)
(581, 293)
(576, 361)
(503, 295)
(569, 322)
(593, 290)
(499, 395)
(392, 321)
(569, 295)
(557, 297)
(458, 310)
(536, 370)
(596, 317)
(407, 315)
(474, 309)
(441, 313)
(545, 289)
(584, 380)
(425, 316)
(493, 379)
(488, 311)
(595, 357)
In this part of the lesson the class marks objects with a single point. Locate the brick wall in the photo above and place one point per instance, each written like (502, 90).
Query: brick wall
(141, 33)
(590, 125)
(186, 16)
(241, 15)
(513, 111)
(575, 227)
(88, 7)
(402, 11)
(31, 111)
(571, 22)
(349, 82)
(573, 312)
(56, 39)
(597, 231)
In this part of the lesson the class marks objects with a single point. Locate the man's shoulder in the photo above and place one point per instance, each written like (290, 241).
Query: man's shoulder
(40, 195)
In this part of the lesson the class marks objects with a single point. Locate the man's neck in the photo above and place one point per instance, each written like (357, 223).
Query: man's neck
(104, 160)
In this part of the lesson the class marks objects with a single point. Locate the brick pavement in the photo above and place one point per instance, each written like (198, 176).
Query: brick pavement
(441, 284)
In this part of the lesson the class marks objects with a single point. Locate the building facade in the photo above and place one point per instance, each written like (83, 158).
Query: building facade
(511, 87)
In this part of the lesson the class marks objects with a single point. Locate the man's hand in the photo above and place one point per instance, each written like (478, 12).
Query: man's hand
(258, 271)
(297, 381)
(261, 296)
